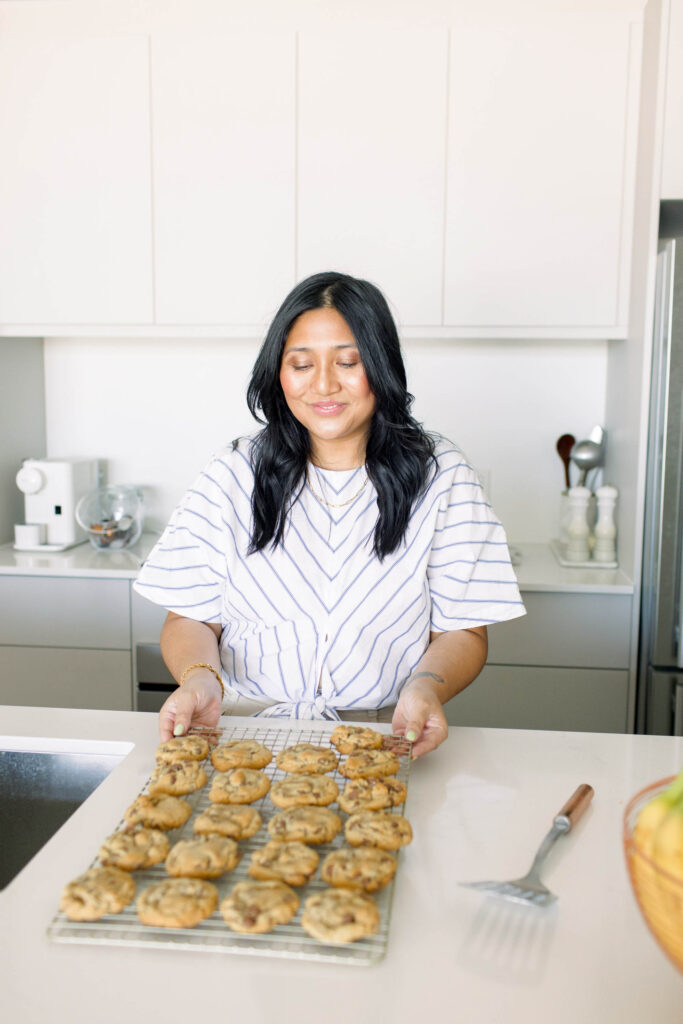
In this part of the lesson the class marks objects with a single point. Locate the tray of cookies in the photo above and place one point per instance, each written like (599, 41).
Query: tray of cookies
(253, 839)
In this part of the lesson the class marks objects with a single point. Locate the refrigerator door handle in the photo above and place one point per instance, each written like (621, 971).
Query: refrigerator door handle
(678, 581)
(678, 710)
(678, 603)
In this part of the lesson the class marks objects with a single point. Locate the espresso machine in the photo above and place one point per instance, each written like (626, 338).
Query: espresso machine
(52, 489)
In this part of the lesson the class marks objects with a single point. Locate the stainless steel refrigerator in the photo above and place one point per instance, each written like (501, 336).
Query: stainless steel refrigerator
(660, 677)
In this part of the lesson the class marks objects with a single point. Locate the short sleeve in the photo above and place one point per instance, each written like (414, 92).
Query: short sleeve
(186, 569)
(470, 575)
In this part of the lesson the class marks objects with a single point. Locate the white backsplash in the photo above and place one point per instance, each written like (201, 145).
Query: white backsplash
(156, 409)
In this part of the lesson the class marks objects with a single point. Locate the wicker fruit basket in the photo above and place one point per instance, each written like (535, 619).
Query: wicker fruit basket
(659, 894)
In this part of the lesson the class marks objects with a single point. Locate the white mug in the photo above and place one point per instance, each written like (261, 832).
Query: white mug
(29, 535)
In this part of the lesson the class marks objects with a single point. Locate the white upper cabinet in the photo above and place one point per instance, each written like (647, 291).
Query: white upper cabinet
(371, 160)
(672, 157)
(171, 167)
(224, 163)
(540, 173)
(75, 204)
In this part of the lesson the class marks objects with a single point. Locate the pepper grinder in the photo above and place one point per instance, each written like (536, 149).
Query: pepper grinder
(605, 548)
(578, 533)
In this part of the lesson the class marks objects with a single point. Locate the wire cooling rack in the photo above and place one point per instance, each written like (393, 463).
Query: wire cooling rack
(288, 940)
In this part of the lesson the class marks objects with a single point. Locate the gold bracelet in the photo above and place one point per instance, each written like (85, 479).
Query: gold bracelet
(203, 664)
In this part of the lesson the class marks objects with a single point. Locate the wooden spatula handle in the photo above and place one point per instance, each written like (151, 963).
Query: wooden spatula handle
(577, 804)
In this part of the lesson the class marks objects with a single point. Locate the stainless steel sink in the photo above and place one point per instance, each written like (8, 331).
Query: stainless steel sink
(40, 789)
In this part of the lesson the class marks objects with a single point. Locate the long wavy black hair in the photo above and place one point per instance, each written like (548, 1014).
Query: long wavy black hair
(399, 454)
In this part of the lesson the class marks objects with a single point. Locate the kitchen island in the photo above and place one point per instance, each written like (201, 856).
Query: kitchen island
(479, 806)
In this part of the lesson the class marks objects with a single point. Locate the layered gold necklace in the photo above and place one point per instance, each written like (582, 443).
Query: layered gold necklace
(331, 504)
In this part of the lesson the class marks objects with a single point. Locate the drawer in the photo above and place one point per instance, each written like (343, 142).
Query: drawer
(50, 611)
(66, 678)
(515, 697)
(578, 630)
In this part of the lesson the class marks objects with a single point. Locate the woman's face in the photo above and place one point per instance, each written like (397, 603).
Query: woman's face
(325, 386)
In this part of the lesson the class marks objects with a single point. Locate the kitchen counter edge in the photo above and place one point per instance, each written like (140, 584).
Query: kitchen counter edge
(536, 567)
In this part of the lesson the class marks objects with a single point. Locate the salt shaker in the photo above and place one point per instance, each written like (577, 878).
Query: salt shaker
(565, 517)
(578, 532)
(605, 547)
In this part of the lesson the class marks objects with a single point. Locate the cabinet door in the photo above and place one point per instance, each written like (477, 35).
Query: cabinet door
(519, 697)
(75, 203)
(224, 136)
(371, 161)
(572, 630)
(540, 171)
(64, 678)
(53, 611)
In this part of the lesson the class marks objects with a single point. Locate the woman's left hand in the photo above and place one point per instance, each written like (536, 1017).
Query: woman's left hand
(449, 664)
(419, 716)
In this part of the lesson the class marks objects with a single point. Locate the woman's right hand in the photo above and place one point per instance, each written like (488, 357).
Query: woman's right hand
(196, 702)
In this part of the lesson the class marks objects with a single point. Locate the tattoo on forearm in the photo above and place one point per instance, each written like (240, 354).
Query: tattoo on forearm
(427, 675)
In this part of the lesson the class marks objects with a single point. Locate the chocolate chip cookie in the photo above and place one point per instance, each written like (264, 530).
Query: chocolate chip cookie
(350, 738)
(182, 748)
(302, 790)
(134, 848)
(239, 786)
(397, 790)
(97, 892)
(372, 794)
(365, 867)
(292, 863)
(259, 907)
(202, 857)
(177, 903)
(240, 754)
(369, 764)
(305, 824)
(158, 811)
(177, 778)
(307, 759)
(340, 915)
(237, 821)
(378, 828)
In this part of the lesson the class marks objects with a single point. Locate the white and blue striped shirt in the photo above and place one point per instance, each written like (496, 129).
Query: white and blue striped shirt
(319, 623)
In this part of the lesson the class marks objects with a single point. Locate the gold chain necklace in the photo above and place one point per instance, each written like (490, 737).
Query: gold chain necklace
(330, 504)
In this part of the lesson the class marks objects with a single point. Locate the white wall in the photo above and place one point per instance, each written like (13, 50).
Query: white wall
(156, 409)
(506, 403)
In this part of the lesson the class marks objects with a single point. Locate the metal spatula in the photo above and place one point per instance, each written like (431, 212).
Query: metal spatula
(530, 889)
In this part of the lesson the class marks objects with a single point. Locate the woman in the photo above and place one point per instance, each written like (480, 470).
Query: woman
(341, 563)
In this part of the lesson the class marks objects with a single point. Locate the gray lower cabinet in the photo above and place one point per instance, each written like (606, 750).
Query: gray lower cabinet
(61, 611)
(563, 666)
(93, 643)
(65, 677)
(65, 642)
(529, 697)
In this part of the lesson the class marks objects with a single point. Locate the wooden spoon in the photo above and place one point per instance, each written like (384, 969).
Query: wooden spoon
(564, 446)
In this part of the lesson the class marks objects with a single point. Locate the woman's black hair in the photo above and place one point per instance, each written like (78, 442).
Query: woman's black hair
(399, 453)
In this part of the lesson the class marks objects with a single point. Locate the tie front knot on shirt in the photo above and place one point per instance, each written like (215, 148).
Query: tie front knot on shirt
(303, 709)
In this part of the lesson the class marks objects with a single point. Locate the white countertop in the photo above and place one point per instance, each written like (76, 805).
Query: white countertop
(81, 560)
(536, 567)
(539, 570)
(479, 806)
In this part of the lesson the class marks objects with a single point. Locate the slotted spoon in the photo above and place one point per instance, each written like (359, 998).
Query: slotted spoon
(530, 888)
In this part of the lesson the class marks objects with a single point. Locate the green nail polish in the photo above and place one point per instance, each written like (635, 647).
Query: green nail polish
(411, 735)
(179, 729)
